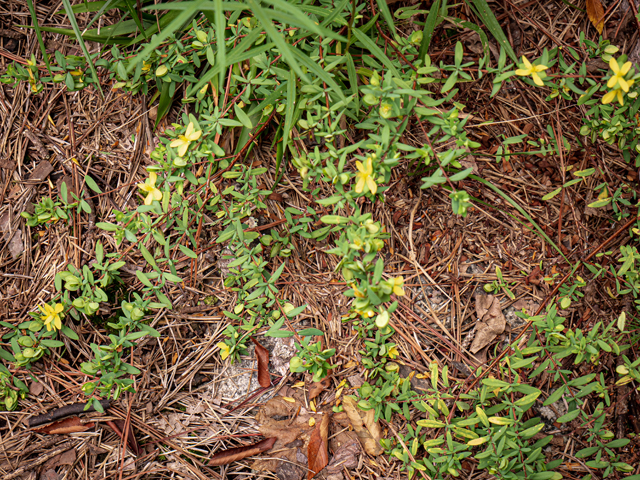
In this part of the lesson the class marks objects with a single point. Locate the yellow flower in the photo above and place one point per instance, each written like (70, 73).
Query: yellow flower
(618, 77)
(393, 352)
(183, 141)
(224, 350)
(149, 186)
(146, 66)
(366, 313)
(531, 70)
(398, 282)
(51, 316)
(616, 92)
(364, 176)
(357, 292)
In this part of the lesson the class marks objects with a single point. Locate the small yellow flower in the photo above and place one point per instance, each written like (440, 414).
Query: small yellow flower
(51, 316)
(364, 176)
(618, 75)
(616, 92)
(398, 282)
(149, 186)
(357, 292)
(146, 66)
(183, 141)
(225, 350)
(531, 70)
(366, 313)
(393, 352)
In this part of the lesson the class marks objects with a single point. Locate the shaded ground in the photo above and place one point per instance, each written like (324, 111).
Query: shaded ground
(185, 405)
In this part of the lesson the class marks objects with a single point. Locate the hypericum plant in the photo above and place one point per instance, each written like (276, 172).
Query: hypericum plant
(11, 389)
(312, 358)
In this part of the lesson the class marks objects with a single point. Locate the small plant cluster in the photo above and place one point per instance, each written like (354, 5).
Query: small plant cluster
(494, 422)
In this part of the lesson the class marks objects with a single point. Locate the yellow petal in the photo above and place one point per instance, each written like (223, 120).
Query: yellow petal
(526, 62)
(613, 64)
(360, 184)
(183, 149)
(399, 291)
(190, 129)
(612, 82)
(194, 136)
(369, 165)
(608, 97)
(153, 176)
(42, 309)
(58, 308)
(360, 167)
(623, 84)
(620, 97)
(536, 79)
(523, 73)
(625, 68)
(156, 194)
(58, 323)
(372, 185)
(48, 327)
(176, 143)
(149, 199)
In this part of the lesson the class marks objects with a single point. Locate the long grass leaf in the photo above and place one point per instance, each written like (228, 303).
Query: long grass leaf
(276, 37)
(322, 74)
(296, 16)
(105, 39)
(386, 14)
(290, 109)
(99, 6)
(433, 19)
(83, 46)
(376, 50)
(491, 22)
(353, 80)
(36, 27)
(134, 15)
(221, 42)
(185, 16)
(522, 211)
(238, 54)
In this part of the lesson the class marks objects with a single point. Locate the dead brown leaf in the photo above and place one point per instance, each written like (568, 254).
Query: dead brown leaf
(367, 429)
(316, 388)
(235, 454)
(346, 450)
(118, 426)
(63, 427)
(595, 12)
(318, 449)
(491, 321)
(264, 379)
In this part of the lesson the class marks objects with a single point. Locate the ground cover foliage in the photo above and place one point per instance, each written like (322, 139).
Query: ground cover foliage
(426, 211)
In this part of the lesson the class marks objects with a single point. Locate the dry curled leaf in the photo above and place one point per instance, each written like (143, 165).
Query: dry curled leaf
(365, 425)
(63, 427)
(318, 451)
(316, 388)
(234, 454)
(264, 379)
(491, 322)
(595, 12)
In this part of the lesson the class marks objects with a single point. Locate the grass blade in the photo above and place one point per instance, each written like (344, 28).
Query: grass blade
(221, 42)
(83, 46)
(377, 51)
(386, 13)
(36, 26)
(523, 212)
(491, 22)
(433, 19)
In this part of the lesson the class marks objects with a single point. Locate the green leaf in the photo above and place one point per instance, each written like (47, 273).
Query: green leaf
(188, 252)
(433, 19)
(310, 332)
(242, 117)
(600, 203)
(51, 343)
(143, 278)
(69, 333)
(461, 175)
(555, 396)
(567, 417)
(147, 256)
(550, 195)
